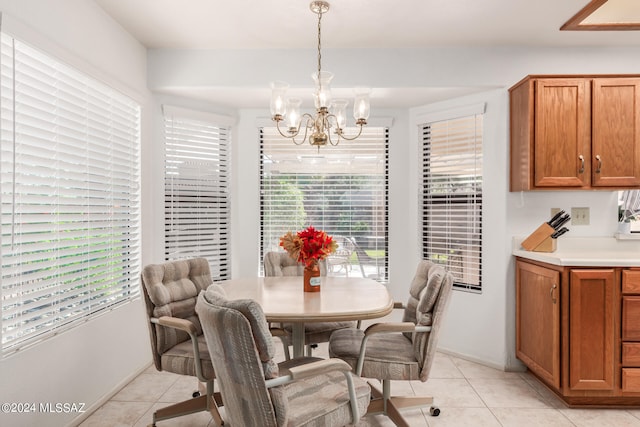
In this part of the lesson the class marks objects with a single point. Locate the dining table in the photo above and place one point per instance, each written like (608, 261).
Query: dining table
(283, 299)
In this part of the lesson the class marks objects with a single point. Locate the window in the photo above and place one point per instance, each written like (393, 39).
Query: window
(70, 199)
(452, 197)
(196, 188)
(629, 209)
(341, 189)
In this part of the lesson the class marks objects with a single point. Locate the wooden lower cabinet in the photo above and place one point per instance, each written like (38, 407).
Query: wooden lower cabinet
(538, 320)
(578, 331)
(592, 336)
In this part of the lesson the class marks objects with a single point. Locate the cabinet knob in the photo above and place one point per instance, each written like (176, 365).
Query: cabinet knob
(553, 299)
(581, 157)
(599, 164)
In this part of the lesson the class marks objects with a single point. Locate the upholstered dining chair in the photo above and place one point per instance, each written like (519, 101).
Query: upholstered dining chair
(400, 350)
(365, 259)
(281, 264)
(177, 343)
(258, 392)
(342, 256)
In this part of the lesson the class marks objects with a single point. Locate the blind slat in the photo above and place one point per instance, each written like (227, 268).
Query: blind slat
(451, 199)
(70, 207)
(197, 190)
(341, 189)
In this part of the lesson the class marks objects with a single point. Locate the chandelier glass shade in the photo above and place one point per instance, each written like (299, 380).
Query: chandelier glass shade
(331, 114)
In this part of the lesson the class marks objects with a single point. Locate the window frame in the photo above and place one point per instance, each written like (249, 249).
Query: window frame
(382, 229)
(452, 201)
(197, 210)
(70, 165)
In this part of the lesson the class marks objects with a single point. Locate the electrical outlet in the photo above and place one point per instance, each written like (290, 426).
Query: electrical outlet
(554, 211)
(579, 216)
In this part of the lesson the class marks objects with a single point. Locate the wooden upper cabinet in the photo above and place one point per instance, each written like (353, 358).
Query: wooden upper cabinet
(616, 132)
(575, 132)
(562, 124)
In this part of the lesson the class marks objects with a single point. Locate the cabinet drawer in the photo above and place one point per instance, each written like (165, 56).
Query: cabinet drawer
(631, 281)
(631, 354)
(631, 318)
(630, 380)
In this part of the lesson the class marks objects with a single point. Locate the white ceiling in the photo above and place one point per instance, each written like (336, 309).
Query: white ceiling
(282, 24)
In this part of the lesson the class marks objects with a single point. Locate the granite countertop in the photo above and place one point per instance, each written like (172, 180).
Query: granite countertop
(586, 252)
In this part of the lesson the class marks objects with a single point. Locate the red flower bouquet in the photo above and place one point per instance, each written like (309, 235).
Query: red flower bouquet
(308, 246)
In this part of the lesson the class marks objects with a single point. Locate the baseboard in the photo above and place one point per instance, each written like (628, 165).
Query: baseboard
(520, 368)
(104, 399)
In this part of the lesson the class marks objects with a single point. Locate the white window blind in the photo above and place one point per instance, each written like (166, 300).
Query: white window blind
(70, 200)
(341, 189)
(452, 197)
(197, 202)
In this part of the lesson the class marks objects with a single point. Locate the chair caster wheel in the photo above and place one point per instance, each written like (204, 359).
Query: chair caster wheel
(434, 411)
(196, 394)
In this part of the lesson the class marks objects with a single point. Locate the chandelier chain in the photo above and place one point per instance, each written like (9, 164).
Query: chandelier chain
(319, 44)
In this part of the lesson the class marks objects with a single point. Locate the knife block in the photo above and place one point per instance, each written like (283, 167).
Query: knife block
(540, 240)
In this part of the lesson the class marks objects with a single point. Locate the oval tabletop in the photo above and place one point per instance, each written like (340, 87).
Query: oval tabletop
(340, 298)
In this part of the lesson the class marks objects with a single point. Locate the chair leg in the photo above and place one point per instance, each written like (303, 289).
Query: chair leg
(208, 401)
(213, 401)
(285, 347)
(383, 403)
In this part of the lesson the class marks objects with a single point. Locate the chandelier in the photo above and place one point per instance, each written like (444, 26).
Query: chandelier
(330, 113)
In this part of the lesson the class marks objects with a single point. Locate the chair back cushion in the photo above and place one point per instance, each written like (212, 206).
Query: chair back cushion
(429, 295)
(281, 264)
(238, 339)
(171, 289)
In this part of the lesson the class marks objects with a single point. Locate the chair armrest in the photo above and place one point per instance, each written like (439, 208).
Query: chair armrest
(381, 328)
(189, 328)
(176, 323)
(318, 368)
(389, 327)
(278, 332)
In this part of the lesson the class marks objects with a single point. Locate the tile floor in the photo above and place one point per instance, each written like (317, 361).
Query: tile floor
(468, 394)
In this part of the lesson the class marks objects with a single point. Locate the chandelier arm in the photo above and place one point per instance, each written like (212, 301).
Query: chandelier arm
(331, 140)
(280, 130)
(292, 135)
(306, 130)
(326, 121)
(351, 138)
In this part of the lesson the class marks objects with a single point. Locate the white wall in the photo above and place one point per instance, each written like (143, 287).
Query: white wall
(479, 327)
(87, 363)
(246, 201)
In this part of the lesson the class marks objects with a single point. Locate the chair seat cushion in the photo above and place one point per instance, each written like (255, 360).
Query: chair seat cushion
(388, 356)
(317, 332)
(180, 359)
(323, 400)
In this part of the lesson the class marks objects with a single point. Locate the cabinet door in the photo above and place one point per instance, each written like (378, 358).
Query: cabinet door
(562, 133)
(538, 320)
(615, 140)
(592, 307)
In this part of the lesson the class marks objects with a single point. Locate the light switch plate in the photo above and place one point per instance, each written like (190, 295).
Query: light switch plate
(579, 216)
